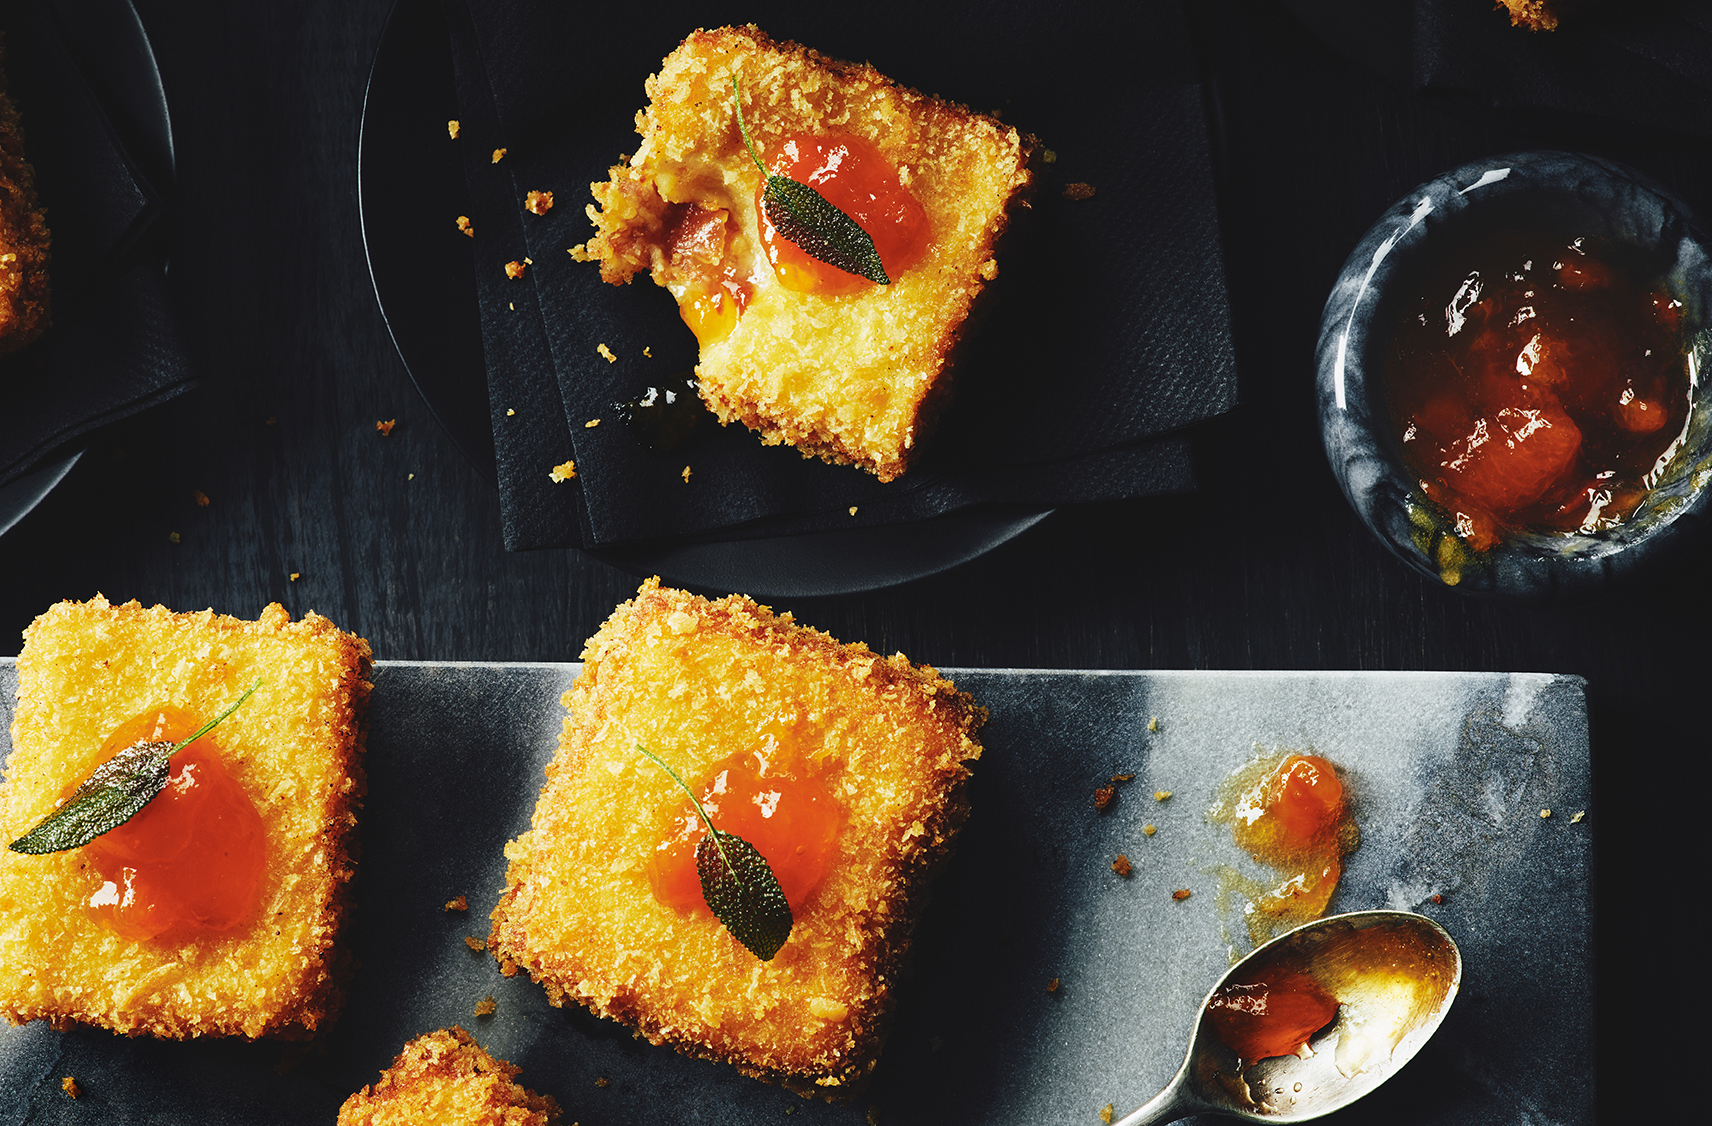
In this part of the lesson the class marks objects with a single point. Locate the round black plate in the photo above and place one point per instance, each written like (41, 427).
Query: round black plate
(109, 39)
(408, 185)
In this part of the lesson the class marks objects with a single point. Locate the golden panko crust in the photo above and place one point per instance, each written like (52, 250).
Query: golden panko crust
(694, 681)
(24, 238)
(855, 379)
(447, 1079)
(296, 749)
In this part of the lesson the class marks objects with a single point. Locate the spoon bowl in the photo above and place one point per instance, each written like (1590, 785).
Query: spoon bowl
(1394, 975)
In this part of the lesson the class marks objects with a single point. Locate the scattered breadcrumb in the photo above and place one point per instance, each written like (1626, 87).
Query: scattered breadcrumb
(410, 476)
(606, 353)
(1579, 814)
(1181, 894)
(852, 510)
(538, 203)
(385, 427)
(1544, 813)
(874, 1115)
(1104, 796)
(564, 472)
(200, 497)
(512, 305)
(1108, 1112)
(1117, 778)
(466, 226)
(514, 269)
(475, 943)
(461, 903)
(1149, 830)
(1161, 795)
(1121, 866)
(591, 424)
(294, 575)
(70, 1087)
(486, 1007)
(509, 412)
(1048, 156)
(686, 474)
(498, 155)
(1153, 723)
(1052, 986)
(1436, 897)
(647, 352)
(602, 1081)
(452, 128)
(1078, 191)
(174, 537)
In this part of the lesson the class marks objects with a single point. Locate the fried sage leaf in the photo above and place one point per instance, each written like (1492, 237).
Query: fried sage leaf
(114, 792)
(801, 214)
(737, 882)
(743, 893)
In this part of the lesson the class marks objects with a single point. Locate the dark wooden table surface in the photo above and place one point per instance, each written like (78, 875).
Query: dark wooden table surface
(1266, 567)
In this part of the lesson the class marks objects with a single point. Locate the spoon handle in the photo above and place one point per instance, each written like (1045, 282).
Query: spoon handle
(1167, 1106)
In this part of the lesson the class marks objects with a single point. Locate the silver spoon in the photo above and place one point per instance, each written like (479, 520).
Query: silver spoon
(1390, 1005)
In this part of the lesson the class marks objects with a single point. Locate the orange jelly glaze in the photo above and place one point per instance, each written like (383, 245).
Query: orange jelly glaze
(1298, 828)
(771, 797)
(855, 178)
(190, 862)
(1273, 1015)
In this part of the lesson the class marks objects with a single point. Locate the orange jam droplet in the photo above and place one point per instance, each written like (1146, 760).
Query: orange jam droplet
(190, 862)
(855, 178)
(1272, 1015)
(1295, 820)
(774, 798)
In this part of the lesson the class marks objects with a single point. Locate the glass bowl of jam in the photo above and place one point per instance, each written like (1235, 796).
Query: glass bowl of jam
(1511, 375)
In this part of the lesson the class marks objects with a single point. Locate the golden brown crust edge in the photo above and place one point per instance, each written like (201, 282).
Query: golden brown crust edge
(885, 948)
(24, 238)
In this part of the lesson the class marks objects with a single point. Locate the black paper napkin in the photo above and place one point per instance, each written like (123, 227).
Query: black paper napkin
(113, 348)
(1106, 334)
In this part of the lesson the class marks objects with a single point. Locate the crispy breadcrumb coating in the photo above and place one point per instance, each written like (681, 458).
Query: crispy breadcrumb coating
(856, 379)
(694, 681)
(447, 1079)
(24, 240)
(295, 748)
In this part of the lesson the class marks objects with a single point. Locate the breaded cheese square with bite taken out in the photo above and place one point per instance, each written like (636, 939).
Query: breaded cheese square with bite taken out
(804, 747)
(446, 1078)
(294, 751)
(853, 378)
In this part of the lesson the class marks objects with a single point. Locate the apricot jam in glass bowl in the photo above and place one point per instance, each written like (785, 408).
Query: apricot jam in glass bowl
(1512, 376)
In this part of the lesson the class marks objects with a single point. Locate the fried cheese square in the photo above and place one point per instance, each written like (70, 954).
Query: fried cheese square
(448, 1079)
(855, 379)
(695, 681)
(295, 749)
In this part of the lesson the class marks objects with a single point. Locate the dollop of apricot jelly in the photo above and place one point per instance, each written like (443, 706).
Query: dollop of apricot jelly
(191, 861)
(1294, 821)
(854, 177)
(773, 797)
(1273, 1015)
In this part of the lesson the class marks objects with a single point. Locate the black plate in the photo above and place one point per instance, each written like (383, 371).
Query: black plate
(108, 39)
(408, 184)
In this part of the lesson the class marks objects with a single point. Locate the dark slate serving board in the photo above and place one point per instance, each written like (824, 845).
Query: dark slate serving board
(1447, 773)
